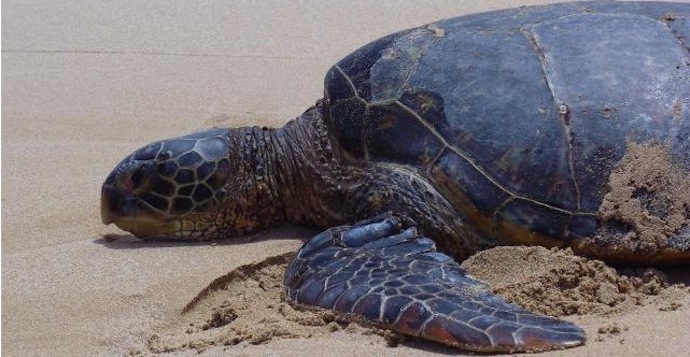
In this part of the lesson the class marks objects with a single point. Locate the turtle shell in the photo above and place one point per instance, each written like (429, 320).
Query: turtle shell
(518, 117)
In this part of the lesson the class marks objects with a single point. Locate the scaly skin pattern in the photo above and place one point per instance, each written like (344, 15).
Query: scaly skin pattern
(269, 176)
(395, 278)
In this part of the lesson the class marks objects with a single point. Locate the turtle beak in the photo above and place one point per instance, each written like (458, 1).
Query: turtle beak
(111, 200)
(117, 206)
(128, 214)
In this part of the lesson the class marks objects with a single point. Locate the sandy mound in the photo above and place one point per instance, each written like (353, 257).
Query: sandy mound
(557, 282)
(245, 306)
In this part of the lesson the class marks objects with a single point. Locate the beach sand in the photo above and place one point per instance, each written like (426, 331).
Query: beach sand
(86, 83)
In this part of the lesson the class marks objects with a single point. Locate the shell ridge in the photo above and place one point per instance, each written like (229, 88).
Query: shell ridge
(549, 76)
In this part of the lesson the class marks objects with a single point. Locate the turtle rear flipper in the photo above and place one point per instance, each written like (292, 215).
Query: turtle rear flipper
(396, 279)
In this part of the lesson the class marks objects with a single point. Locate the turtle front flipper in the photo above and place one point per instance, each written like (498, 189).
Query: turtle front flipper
(394, 278)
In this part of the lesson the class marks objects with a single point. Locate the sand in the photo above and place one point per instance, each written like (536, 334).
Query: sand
(85, 84)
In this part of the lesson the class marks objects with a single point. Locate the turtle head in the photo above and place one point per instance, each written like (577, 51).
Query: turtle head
(171, 188)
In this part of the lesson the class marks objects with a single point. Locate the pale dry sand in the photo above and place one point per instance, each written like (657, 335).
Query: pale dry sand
(85, 84)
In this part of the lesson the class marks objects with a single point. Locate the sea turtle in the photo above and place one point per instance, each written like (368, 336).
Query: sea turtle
(508, 127)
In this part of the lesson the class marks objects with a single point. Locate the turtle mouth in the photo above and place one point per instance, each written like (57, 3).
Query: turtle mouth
(148, 229)
(134, 216)
(137, 217)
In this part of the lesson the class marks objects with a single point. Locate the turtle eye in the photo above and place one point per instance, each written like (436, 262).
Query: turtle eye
(137, 179)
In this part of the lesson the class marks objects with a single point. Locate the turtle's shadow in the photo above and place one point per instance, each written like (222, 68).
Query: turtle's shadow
(677, 274)
(434, 347)
(674, 274)
(128, 241)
